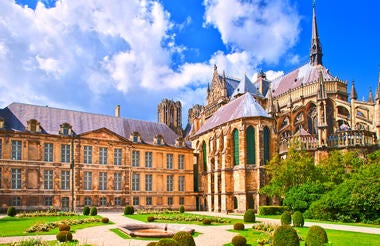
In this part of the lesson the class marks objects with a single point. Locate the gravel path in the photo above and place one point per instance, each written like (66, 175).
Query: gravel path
(209, 235)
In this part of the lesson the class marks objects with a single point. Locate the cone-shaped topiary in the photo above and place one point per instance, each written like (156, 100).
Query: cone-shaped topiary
(167, 242)
(239, 226)
(181, 209)
(249, 216)
(316, 236)
(64, 236)
(184, 238)
(64, 227)
(239, 240)
(11, 211)
(129, 210)
(286, 218)
(285, 235)
(298, 220)
(86, 210)
(93, 211)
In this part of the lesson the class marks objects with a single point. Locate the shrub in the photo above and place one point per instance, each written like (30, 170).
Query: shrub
(272, 210)
(286, 218)
(129, 210)
(239, 241)
(316, 236)
(64, 227)
(298, 220)
(181, 209)
(285, 235)
(249, 216)
(206, 221)
(11, 211)
(86, 210)
(239, 226)
(105, 220)
(64, 236)
(152, 244)
(93, 211)
(30, 242)
(167, 242)
(150, 219)
(184, 238)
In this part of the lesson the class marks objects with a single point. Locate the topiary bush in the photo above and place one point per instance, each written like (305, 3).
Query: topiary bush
(64, 236)
(206, 222)
(93, 211)
(316, 236)
(152, 244)
(249, 216)
(239, 241)
(181, 209)
(63, 227)
(167, 242)
(11, 211)
(184, 238)
(129, 210)
(285, 235)
(86, 210)
(298, 220)
(286, 218)
(239, 226)
(150, 218)
(105, 220)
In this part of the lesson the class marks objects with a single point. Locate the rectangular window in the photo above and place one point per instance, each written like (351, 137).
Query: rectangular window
(16, 201)
(117, 181)
(148, 159)
(48, 179)
(87, 184)
(169, 161)
(117, 201)
(181, 201)
(65, 153)
(48, 201)
(103, 155)
(135, 158)
(135, 182)
(181, 183)
(102, 181)
(170, 201)
(117, 157)
(136, 200)
(169, 183)
(48, 152)
(148, 201)
(87, 201)
(65, 202)
(16, 150)
(148, 182)
(181, 162)
(16, 178)
(87, 155)
(103, 201)
(65, 180)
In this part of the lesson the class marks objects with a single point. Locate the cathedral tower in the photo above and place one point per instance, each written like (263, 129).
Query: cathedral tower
(170, 113)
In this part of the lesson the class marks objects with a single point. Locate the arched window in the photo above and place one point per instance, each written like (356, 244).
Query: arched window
(235, 135)
(266, 144)
(204, 156)
(235, 202)
(312, 120)
(251, 147)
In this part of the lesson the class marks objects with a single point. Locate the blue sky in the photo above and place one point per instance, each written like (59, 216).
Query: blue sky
(91, 55)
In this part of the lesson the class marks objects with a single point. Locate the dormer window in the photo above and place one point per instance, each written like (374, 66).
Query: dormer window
(33, 126)
(135, 137)
(65, 129)
(159, 140)
(179, 142)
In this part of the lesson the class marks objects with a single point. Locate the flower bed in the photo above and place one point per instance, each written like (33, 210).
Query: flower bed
(44, 227)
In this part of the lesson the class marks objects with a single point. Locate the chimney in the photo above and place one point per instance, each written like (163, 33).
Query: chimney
(117, 111)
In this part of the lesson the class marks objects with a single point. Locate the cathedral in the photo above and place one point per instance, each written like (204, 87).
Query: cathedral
(245, 123)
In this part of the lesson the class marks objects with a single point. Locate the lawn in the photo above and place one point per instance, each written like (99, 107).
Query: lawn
(336, 238)
(185, 218)
(14, 226)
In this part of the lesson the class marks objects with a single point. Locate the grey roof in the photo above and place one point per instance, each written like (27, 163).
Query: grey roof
(242, 107)
(246, 85)
(231, 85)
(16, 116)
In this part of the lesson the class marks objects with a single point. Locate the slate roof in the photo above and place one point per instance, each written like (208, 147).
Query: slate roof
(246, 85)
(302, 75)
(242, 107)
(231, 85)
(16, 116)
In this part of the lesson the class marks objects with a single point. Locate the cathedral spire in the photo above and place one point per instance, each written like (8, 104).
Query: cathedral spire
(370, 96)
(353, 94)
(322, 94)
(316, 48)
(378, 88)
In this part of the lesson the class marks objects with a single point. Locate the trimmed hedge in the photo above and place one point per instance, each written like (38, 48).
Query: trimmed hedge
(298, 220)
(316, 236)
(286, 218)
(206, 222)
(86, 210)
(64, 236)
(150, 218)
(181, 209)
(63, 227)
(239, 226)
(285, 235)
(129, 210)
(167, 242)
(249, 216)
(11, 211)
(105, 220)
(272, 210)
(184, 238)
(239, 240)
(93, 211)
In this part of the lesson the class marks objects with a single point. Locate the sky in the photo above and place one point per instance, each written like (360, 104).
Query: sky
(91, 55)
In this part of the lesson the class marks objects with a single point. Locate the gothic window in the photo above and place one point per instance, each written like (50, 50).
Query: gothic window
(312, 120)
(251, 148)
(285, 122)
(360, 114)
(235, 135)
(266, 144)
(204, 149)
(299, 117)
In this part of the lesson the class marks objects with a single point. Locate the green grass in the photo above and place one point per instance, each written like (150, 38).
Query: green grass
(14, 226)
(336, 238)
(120, 233)
(143, 218)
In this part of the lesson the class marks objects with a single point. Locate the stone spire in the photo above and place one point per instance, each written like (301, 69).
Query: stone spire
(370, 96)
(322, 94)
(353, 94)
(316, 47)
(270, 106)
(378, 88)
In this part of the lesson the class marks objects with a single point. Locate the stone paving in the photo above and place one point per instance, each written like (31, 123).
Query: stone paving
(209, 235)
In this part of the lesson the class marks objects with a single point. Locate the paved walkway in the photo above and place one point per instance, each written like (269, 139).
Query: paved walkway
(209, 235)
